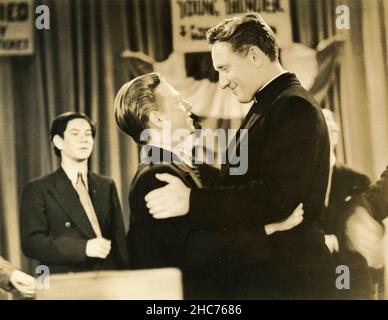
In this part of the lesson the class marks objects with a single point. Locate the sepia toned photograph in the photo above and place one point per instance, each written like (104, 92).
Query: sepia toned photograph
(218, 150)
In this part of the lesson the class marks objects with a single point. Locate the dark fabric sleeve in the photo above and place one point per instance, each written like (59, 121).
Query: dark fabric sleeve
(210, 175)
(293, 154)
(350, 185)
(378, 197)
(159, 243)
(36, 241)
(119, 244)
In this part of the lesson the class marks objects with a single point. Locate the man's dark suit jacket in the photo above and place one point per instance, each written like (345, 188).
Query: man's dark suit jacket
(375, 200)
(288, 163)
(347, 186)
(155, 243)
(377, 197)
(55, 227)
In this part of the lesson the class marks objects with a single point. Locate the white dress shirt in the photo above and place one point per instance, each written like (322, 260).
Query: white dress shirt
(72, 174)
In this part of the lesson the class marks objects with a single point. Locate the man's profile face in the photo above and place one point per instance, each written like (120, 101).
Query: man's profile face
(174, 108)
(77, 143)
(236, 71)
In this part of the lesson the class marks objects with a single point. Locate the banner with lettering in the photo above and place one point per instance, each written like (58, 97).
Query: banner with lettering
(192, 19)
(16, 25)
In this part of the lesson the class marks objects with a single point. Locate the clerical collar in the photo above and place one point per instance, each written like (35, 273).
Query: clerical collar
(267, 83)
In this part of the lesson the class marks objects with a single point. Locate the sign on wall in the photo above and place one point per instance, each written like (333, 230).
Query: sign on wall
(192, 19)
(16, 35)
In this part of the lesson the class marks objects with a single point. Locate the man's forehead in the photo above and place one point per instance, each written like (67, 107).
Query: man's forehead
(221, 46)
(221, 53)
(166, 89)
(78, 124)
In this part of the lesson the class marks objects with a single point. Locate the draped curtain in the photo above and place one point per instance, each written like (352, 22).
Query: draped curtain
(314, 26)
(149, 27)
(73, 68)
(358, 90)
(364, 83)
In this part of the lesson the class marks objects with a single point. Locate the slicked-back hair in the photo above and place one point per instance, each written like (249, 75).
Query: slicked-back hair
(59, 125)
(243, 32)
(134, 102)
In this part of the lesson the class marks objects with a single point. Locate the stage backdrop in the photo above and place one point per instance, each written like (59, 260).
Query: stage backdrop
(192, 19)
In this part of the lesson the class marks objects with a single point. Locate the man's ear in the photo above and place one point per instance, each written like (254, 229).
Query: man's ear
(154, 119)
(58, 141)
(256, 56)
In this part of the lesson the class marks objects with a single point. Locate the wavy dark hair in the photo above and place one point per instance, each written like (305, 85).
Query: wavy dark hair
(243, 32)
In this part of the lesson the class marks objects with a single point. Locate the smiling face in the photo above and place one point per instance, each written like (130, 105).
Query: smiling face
(77, 142)
(174, 108)
(237, 72)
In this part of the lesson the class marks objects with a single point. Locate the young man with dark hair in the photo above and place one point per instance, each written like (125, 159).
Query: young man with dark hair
(144, 108)
(71, 219)
(288, 164)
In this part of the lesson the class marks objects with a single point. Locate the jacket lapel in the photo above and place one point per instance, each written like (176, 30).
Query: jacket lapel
(166, 156)
(68, 199)
(189, 174)
(249, 121)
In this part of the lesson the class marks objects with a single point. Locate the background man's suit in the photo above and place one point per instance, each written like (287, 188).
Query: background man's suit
(288, 163)
(347, 184)
(55, 227)
(377, 196)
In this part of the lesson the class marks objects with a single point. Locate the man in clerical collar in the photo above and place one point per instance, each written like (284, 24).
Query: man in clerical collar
(71, 219)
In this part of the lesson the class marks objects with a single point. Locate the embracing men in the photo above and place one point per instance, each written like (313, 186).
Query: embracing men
(145, 108)
(288, 164)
